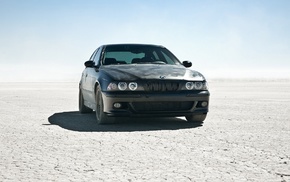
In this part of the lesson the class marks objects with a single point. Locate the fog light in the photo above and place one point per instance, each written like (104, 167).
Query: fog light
(204, 104)
(117, 105)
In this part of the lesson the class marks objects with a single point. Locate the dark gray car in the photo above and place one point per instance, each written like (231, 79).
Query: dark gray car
(141, 80)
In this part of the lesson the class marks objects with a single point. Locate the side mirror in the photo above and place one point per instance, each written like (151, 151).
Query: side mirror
(187, 64)
(89, 64)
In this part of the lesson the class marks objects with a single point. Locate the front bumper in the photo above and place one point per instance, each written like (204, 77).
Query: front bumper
(155, 104)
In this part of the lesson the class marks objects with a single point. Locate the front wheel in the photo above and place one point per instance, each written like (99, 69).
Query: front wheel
(101, 117)
(196, 118)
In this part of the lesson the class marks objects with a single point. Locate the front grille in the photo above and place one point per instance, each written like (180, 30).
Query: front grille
(161, 86)
(162, 106)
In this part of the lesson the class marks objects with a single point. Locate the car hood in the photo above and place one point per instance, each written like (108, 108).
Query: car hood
(151, 71)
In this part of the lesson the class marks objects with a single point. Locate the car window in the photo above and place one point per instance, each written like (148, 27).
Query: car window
(156, 55)
(93, 55)
(97, 56)
(166, 57)
(138, 54)
(123, 56)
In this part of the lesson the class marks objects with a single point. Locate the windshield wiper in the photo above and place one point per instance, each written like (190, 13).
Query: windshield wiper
(158, 62)
(151, 62)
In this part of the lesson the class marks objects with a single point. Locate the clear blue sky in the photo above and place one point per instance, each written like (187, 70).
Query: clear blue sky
(49, 40)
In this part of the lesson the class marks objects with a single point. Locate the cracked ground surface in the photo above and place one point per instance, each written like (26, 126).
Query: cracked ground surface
(244, 138)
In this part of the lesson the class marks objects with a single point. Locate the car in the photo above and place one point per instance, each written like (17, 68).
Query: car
(141, 80)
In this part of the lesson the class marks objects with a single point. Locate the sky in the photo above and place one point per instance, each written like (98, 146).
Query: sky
(49, 40)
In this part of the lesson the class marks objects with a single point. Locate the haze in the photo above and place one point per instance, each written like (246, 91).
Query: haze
(50, 40)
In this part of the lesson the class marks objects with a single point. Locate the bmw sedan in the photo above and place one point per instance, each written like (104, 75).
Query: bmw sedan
(138, 80)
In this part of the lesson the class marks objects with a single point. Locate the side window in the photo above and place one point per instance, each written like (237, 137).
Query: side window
(93, 55)
(97, 56)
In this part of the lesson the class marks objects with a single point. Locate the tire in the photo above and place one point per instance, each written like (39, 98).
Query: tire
(82, 107)
(196, 118)
(101, 117)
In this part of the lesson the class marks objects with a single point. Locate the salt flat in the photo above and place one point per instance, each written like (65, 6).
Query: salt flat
(246, 137)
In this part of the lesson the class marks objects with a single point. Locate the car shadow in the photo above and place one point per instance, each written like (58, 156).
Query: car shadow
(76, 121)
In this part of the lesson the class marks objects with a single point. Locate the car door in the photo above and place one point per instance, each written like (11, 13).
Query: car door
(85, 80)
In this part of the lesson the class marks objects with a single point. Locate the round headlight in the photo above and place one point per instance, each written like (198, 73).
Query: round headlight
(189, 85)
(112, 86)
(198, 85)
(133, 86)
(122, 85)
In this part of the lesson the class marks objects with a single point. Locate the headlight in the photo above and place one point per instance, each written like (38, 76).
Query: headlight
(205, 86)
(112, 86)
(189, 85)
(122, 85)
(196, 85)
(133, 85)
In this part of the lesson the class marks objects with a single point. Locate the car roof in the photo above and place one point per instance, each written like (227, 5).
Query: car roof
(134, 44)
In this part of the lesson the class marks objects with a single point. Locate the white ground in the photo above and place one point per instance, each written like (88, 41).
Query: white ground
(246, 137)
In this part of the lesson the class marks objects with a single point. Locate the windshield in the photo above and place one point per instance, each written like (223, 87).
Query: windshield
(137, 54)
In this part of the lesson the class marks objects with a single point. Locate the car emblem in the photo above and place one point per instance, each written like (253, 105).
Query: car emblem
(162, 77)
